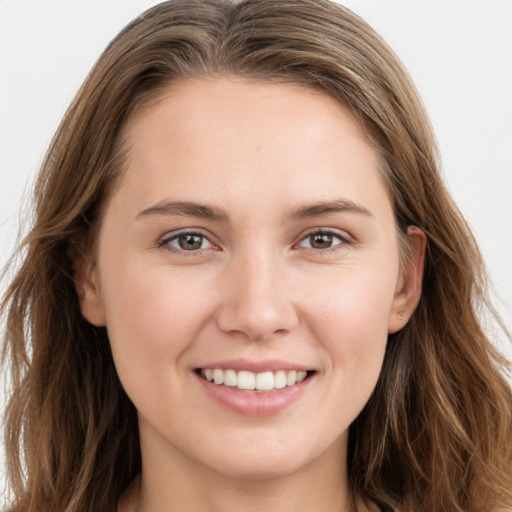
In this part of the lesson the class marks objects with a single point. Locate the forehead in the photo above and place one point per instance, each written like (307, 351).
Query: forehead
(222, 135)
(221, 102)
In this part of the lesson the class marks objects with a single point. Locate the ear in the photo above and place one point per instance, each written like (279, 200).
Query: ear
(88, 291)
(408, 290)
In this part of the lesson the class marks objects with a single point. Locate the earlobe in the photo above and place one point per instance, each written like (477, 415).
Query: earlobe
(87, 289)
(408, 290)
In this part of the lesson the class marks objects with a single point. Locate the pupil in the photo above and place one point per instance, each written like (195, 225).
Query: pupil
(190, 242)
(321, 241)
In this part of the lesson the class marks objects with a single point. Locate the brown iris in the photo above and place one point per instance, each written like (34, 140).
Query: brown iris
(190, 242)
(321, 241)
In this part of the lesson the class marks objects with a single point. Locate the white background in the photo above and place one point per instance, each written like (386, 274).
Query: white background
(459, 53)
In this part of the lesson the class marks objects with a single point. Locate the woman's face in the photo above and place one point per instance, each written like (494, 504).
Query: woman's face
(251, 239)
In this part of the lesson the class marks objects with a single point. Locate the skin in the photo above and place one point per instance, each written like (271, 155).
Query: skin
(256, 289)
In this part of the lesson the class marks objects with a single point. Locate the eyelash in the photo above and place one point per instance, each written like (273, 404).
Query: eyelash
(344, 240)
(165, 242)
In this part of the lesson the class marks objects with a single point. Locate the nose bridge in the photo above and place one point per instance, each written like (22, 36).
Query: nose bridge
(257, 301)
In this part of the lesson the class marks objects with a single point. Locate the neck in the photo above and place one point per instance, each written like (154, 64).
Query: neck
(269, 496)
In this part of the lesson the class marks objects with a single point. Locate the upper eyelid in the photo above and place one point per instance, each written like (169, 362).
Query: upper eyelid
(169, 236)
(346, 241)
(342, 234)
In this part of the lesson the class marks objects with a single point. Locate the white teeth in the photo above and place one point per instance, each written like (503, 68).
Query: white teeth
(265, 381)
(230, 378)
(249, 381)
(218, 376)
(291, 378)
(246, 380)
(280, 379)
(301, 376)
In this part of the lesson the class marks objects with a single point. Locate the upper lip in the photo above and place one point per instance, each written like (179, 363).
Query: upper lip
(266, 365)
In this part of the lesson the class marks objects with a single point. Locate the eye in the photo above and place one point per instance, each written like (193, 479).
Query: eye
(322, 240)
(186, 241)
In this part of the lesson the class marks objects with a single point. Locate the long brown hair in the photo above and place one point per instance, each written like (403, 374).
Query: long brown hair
(437, 431)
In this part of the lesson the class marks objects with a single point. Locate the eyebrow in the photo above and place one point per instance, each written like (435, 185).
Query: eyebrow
(324, 208)
(216, 214)
(184, 209)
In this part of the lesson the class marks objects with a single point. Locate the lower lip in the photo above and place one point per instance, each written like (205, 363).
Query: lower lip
(253, 403)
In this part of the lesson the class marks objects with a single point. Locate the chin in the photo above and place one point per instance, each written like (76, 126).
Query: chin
(263, 459)
(260, 468)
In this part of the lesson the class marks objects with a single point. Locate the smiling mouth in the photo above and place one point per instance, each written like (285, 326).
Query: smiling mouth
(244, 380)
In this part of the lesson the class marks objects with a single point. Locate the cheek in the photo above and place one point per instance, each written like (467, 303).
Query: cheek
(355, 299)
(153, 317)
(350, 322)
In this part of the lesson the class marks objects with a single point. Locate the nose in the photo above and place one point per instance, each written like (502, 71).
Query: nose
(256, 300)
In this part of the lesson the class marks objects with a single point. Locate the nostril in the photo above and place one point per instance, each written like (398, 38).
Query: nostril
(257, 314)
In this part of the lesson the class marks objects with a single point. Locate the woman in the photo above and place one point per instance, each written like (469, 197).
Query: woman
(247, 286)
